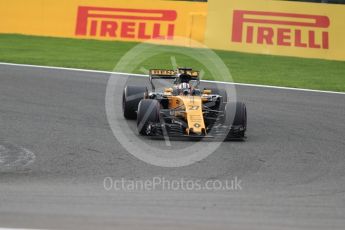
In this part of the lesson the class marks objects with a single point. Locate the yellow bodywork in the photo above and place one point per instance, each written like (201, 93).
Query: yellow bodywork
(192, 111)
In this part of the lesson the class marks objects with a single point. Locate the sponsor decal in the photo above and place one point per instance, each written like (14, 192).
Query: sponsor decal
(167, 72)
(281, 29)
(141, 24)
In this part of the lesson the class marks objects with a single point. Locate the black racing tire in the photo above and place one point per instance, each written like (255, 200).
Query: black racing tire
(131, 97)
(148, 112)
(224, 97)
(221, 92)
(236, 119)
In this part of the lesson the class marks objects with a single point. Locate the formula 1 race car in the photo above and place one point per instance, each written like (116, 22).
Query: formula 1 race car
(184, 110)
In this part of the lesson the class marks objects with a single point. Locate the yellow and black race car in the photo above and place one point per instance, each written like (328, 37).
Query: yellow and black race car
(184, 110)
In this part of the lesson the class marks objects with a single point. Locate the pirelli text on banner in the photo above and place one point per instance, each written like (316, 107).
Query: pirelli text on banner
(125, 23)
(265, 27)
(120, 20)
(273, 27)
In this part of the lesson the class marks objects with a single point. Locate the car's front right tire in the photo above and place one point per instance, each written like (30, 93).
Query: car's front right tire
(148, 113)
(131, 97)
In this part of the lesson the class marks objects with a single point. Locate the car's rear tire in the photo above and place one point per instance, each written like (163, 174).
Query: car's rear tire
(236, 119)
(148, 112)
(221, 92)
(130, 100)
(224, 98)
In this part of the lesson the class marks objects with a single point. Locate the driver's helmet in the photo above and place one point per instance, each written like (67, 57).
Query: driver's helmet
(184, 88)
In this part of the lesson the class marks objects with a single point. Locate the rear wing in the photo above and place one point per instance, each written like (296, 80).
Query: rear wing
(163, 73)
(167, 73)
(171, 74)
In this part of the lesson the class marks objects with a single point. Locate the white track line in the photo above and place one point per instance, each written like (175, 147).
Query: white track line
(143, 75)
(19, 229)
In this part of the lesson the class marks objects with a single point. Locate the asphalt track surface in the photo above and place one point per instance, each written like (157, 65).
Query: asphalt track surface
(292, 166)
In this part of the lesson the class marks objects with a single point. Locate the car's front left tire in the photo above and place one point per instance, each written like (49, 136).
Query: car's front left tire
(236, 119)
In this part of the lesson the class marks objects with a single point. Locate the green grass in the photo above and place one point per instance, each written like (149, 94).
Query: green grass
(104, 55)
